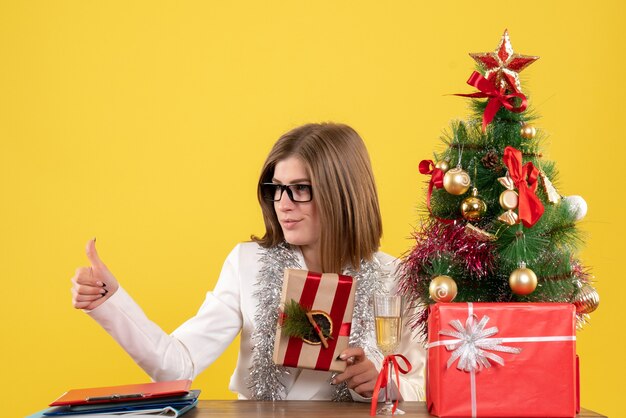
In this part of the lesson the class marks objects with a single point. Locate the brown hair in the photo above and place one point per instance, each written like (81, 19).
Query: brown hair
(343, 190)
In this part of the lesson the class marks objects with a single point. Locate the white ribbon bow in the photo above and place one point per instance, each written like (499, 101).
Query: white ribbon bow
(472, 342)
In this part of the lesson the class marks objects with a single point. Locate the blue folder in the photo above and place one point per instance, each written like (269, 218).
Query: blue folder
(180, 404)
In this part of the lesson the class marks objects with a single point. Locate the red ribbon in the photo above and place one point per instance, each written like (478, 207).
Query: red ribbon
(436, 180)
(428, 167)
(497, 98)
(525, 177)
(383, 377)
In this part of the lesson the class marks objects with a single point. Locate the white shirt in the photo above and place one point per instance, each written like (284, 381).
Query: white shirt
(228, 310)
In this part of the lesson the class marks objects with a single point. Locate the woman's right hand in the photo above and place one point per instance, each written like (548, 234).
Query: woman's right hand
(92, 285)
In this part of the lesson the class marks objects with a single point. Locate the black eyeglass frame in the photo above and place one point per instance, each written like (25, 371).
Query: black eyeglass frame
(287, 188)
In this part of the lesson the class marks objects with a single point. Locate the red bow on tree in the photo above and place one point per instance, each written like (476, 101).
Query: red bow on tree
(497, 97)
(428, 167)
(436, 180)
(525, 177)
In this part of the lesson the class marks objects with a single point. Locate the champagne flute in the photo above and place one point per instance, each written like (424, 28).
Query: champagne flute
(387, 313)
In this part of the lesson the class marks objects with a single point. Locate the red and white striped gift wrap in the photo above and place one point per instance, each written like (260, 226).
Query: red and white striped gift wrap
(330, 293)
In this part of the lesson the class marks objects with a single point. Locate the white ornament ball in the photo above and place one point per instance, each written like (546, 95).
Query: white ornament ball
(577, 206)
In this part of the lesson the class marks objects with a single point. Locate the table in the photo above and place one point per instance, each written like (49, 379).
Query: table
(305, 409)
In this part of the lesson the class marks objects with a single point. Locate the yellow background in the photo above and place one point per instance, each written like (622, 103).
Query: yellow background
(145, 123)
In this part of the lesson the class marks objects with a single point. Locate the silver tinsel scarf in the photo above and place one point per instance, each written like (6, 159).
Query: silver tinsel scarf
(265, 376)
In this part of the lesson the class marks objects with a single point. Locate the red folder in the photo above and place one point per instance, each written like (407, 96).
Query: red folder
(123, 393)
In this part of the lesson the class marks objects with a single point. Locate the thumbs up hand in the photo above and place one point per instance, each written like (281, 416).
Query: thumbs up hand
(92, 285)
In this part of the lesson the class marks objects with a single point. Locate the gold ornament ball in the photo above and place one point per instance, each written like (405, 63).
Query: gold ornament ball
(528, 131)
(442, 289)
(456, 181)
(586, 300)
(523, 281)
(443, 165)
(473, 208)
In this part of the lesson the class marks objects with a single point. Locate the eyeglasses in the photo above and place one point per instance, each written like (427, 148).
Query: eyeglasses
(297, 192)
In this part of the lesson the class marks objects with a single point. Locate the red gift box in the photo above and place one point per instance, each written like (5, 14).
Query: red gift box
(334, 295)
(501, 360)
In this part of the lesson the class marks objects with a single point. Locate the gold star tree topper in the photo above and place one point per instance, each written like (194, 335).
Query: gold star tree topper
(503, 65)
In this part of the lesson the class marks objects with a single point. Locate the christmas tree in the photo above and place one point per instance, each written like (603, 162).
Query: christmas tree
(496, 229)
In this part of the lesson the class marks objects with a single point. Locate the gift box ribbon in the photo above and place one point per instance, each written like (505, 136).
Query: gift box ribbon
(473, 344)
(337, 312)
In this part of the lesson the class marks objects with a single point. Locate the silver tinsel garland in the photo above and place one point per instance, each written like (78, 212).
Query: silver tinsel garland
(265, 381)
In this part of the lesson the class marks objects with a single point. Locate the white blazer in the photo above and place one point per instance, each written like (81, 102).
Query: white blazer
(228, 310)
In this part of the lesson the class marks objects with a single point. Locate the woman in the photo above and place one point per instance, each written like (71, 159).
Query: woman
(321, 213)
